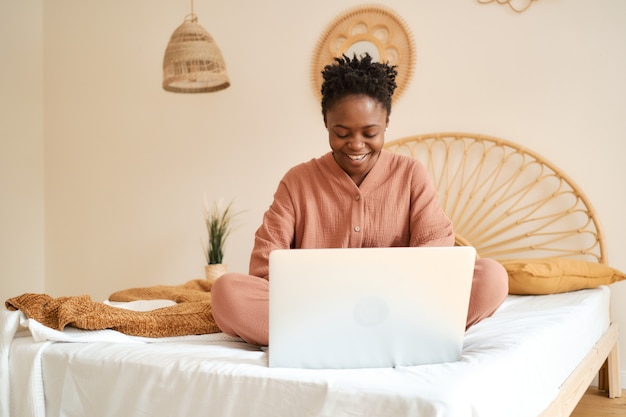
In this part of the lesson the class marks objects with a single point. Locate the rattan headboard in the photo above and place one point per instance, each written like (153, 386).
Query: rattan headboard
(507, 201)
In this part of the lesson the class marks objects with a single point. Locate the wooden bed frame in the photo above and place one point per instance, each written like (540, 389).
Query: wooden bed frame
(509, 202)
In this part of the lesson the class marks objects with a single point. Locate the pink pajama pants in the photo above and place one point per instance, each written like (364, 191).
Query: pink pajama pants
(240, 302)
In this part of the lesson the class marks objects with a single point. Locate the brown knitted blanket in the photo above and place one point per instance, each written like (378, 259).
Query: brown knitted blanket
(191, 315)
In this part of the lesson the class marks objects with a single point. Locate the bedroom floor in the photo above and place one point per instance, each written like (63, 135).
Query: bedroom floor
(596, 404)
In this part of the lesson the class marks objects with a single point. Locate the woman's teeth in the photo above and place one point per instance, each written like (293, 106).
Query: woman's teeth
(357, 157)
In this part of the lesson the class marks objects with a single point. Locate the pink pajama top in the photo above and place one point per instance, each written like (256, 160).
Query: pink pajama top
(318, 205)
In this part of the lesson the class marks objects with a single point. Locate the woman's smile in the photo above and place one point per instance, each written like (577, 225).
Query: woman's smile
(358, 157)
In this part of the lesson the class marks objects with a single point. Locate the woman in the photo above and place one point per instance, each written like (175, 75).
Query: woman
(356, 195)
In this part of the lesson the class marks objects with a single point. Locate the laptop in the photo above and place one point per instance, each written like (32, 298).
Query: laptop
(368, 307)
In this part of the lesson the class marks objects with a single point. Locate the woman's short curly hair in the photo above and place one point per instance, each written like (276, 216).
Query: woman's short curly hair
(347, 76)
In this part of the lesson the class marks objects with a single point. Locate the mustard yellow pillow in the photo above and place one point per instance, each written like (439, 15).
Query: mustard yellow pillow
(556, 275)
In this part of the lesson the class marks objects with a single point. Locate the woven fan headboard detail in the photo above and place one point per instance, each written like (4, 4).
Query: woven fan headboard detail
(506, 201)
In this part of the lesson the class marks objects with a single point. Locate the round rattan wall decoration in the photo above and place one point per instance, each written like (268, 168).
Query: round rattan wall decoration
(374, 29)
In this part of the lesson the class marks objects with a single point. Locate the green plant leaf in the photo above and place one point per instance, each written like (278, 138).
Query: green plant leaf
(219, 224)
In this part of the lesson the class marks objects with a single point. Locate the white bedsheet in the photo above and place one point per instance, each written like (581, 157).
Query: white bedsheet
(512, 365)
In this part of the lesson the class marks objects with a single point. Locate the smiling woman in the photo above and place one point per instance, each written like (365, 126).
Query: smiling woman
(356, 104)
(356, 129)
(356, 196)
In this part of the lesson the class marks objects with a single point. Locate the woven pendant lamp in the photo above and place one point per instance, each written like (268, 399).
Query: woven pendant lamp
(193, 63)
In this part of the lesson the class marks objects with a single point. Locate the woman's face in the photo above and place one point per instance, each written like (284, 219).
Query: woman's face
(356, 132)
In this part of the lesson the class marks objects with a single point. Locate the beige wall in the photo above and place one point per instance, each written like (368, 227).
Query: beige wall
(21, 148)
(126, 165)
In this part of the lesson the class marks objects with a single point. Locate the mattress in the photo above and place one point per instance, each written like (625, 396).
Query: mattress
(513, 364)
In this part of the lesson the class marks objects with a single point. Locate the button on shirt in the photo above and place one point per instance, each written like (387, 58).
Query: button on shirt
(356, 239)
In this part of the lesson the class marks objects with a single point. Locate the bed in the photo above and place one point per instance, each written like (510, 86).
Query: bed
(535, 356)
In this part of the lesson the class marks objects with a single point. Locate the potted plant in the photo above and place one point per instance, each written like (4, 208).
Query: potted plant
(219, 225)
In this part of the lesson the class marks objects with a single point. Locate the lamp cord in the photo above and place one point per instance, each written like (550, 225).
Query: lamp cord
(192, 16)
